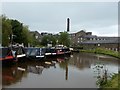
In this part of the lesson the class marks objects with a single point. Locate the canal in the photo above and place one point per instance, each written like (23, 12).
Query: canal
(79, 70)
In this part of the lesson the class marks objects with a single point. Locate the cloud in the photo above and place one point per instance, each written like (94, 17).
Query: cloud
(52, 16)
(106, 31)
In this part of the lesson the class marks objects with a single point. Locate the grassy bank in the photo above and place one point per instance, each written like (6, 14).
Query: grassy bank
(112, 83)
(103, 51)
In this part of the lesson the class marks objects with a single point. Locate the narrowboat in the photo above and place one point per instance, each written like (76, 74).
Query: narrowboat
(13, 53)
(67, 50)
(19, 52)
(35, 53)
(57, 51)
(62, 50)
(7, 55)
(50, 52)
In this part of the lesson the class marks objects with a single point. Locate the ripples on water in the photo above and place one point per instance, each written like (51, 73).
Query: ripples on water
(80, 70)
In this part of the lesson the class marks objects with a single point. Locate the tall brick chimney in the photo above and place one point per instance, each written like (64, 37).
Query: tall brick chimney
(68, 24)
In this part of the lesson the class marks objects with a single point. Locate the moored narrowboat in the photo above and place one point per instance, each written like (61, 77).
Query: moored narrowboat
(19, 52)
(62, 50)
(35, 53)
(50, 52)
(57, 51)
(7, 55)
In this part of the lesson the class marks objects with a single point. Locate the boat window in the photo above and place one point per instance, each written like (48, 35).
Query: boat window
(19, 51)
(53, 50)
(47, 50)
(38, 51)
(43, 50)
(29, 51)
(33, 52)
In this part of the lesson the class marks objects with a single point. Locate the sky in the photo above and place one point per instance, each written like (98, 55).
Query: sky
(100, 18)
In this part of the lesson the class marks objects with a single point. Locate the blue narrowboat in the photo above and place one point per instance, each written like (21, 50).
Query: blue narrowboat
(35, 53)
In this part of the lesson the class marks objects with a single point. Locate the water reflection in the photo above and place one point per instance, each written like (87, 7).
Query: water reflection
(36, 70)
(101, 74)
(12, 75)
(81, 70)
(63, 63)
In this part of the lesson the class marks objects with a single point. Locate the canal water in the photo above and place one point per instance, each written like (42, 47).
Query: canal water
(79, 70)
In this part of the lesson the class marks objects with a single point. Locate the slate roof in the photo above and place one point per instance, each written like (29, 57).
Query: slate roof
(105, 40)
(89, 36)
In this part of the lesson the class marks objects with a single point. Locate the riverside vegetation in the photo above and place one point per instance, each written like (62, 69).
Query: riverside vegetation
(103, 51)
(114, 81)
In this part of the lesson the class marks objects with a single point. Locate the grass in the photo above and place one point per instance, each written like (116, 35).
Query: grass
(103, 51)
(112, 83)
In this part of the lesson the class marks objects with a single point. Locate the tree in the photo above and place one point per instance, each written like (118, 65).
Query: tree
(64, 39)
(17, 28)
(28, 38)
(15, 31)
(53, 39)
(6, 30)
(48, 39)
(32, 40)
(25, 35)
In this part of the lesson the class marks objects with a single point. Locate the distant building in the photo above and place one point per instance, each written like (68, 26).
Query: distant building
(75, 37)
(89, 41)
(45, 33)
(38, 35)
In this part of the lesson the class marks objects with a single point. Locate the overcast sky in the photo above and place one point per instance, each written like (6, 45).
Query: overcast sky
(101, 18)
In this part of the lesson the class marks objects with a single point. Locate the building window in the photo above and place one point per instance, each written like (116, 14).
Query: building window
(98, 45)
(36, 37)
(90, 38)
(113, 49)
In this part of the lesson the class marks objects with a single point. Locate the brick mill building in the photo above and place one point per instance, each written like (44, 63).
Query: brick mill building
(86, 40)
